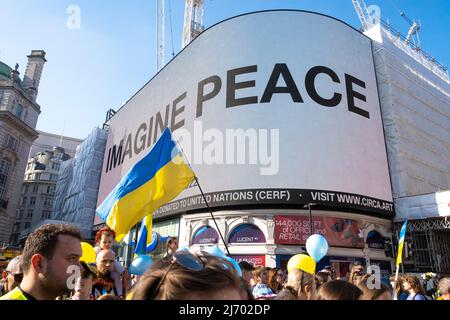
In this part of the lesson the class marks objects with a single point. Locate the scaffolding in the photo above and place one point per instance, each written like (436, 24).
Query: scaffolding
(427, 245)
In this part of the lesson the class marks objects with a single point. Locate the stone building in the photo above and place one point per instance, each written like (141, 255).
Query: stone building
(38, 192)
(19, 113)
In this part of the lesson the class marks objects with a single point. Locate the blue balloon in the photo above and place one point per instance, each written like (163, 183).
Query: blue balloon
(215, 251)
(317, 247)
(140, 264)
(235, 265)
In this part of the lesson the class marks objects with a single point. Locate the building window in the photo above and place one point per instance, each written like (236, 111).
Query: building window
(19, 214)
(53, 177)
(45, 214)
(30, 213)
(13, 239)
(32, 201)
(19, 111)
(48, 202)
(16, 227)
(5, 166)
(10, 142)
(25, 188)
(27, 225)
(56, 166)
(37, 176)
(35, 188)
(24, 201)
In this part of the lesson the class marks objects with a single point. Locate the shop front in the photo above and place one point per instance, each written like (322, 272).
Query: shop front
(264, 238)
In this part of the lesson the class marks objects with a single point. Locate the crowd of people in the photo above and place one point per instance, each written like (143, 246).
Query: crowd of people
(46, 270)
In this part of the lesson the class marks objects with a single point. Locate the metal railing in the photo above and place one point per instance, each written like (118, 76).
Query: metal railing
(399, 35)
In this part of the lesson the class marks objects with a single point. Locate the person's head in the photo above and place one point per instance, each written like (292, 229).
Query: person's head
(357, 272)
(172, 244)
(301, 284)
(373, 291)
(261, 275)
(322, 277)
(444, 288)
(247, 271)
(280, 277)
(412, 284)
(190, 276)
(49, 255)
(339, 290)
(105, 238)
(105, 262)
(273, 283)
(83, 285)
(13, 274)
(398, 286)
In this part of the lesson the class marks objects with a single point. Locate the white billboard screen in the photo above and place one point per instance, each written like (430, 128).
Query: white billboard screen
(275, 107)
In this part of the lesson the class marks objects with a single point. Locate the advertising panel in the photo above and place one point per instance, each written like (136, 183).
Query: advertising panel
(274, 107)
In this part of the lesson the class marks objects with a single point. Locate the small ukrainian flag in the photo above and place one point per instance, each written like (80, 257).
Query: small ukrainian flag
(145, 236)
(155, 180)
(401, 242)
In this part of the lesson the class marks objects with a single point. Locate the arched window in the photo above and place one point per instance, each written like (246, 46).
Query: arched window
(19, 111)
(375, 240)
(246, 233)
(5, 166)
(205, 235)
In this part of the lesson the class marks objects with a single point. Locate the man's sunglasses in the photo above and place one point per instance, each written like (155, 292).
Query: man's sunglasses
(18, 277)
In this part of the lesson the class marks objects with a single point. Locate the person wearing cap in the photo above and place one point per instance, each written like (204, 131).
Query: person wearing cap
(83, 285)
(12, 276)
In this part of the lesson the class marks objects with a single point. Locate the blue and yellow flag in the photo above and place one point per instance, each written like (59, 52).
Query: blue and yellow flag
(155, 180)
(401, 242)
(145, 236)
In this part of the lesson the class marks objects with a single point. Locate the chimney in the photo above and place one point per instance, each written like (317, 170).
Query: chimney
(33, 73)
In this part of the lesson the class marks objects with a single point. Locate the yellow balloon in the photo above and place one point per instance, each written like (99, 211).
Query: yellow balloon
(302, 262)
(87, 253)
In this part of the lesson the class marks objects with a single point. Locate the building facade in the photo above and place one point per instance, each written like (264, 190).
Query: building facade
(46, 141)
(415, 101)
(19, 113)
(38, 192)
(382, 139)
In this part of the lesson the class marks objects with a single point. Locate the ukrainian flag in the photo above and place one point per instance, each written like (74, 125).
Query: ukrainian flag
(145, 236)
(155, 180)
(401, 242)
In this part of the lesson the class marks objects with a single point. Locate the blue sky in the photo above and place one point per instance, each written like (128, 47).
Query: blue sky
(113, 55)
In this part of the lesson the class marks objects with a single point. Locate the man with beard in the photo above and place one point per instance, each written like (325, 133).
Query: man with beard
(104, 283)
(50, 256)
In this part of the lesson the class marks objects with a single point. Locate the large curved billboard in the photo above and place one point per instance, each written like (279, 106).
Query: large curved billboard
(274, 107)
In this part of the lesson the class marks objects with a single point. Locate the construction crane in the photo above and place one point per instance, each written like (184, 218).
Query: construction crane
(363, 14)
(193, 20)
(160, 34)
(413, 31)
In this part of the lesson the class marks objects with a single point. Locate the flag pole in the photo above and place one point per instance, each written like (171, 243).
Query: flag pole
(212, 216)
(395, 283)
(204, 198)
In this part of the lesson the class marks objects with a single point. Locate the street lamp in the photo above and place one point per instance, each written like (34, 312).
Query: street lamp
(310, 216)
